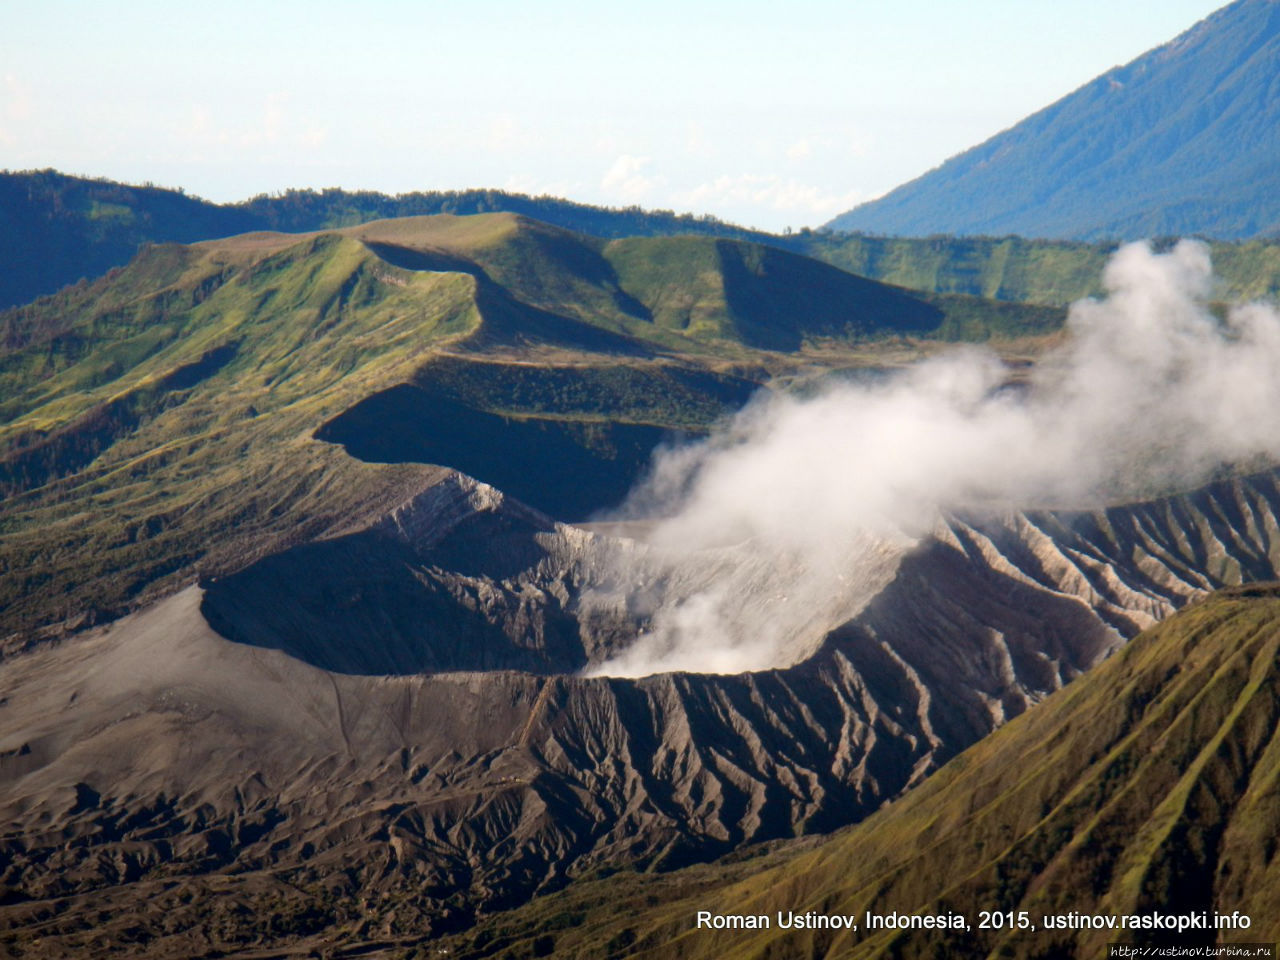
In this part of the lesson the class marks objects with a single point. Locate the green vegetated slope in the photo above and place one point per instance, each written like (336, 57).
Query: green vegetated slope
(1005, 268)
(171, 417)
(757, 294)
(681, 292)
(776, 299)
(162, 418)
(56, 229)
(161, 421)
(1151, 785)
(1019, 270)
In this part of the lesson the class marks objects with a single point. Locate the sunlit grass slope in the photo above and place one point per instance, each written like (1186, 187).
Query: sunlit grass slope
(163, 418)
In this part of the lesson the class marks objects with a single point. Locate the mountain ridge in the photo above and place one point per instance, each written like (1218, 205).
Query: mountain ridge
(250, 447)
(58, 228)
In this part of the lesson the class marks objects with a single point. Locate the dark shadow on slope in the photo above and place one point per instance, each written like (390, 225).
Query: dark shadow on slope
(579, 257)
(508, 320)
(433, 261)
(569, 469)
(670, 394)
(779, 299)
(370, 604)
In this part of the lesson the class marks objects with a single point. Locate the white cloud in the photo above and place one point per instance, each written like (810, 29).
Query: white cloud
(627, 182)
(789, 196)
(535, 187)
(800, 150)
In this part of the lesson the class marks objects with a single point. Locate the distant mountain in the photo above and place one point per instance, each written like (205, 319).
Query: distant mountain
(56, 230)
(1183, 140)
(1146, 787)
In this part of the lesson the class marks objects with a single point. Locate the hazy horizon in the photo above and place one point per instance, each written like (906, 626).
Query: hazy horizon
(759, 117)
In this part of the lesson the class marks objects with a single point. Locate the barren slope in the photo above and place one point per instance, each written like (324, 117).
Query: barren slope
(1146, 788)
(370, 766)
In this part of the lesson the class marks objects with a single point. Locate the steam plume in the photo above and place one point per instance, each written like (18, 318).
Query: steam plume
(773, 531)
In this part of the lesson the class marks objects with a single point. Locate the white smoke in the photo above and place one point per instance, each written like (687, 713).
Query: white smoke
(772, 532)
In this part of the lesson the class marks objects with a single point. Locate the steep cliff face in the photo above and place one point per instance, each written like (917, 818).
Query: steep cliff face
(388, 731)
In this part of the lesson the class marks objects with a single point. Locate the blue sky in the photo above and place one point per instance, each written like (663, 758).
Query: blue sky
(761, 113)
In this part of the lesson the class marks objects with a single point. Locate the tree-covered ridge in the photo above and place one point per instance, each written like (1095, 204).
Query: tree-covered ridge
(297, 210)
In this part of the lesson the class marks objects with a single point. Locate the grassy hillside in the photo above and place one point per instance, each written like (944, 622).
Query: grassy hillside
(682, 292)
(1005, 268)
(158, 423)
(1024, 271)
(1148, 786)
(150, 427)
(758, 295)
(62, 229)
(57, 229)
